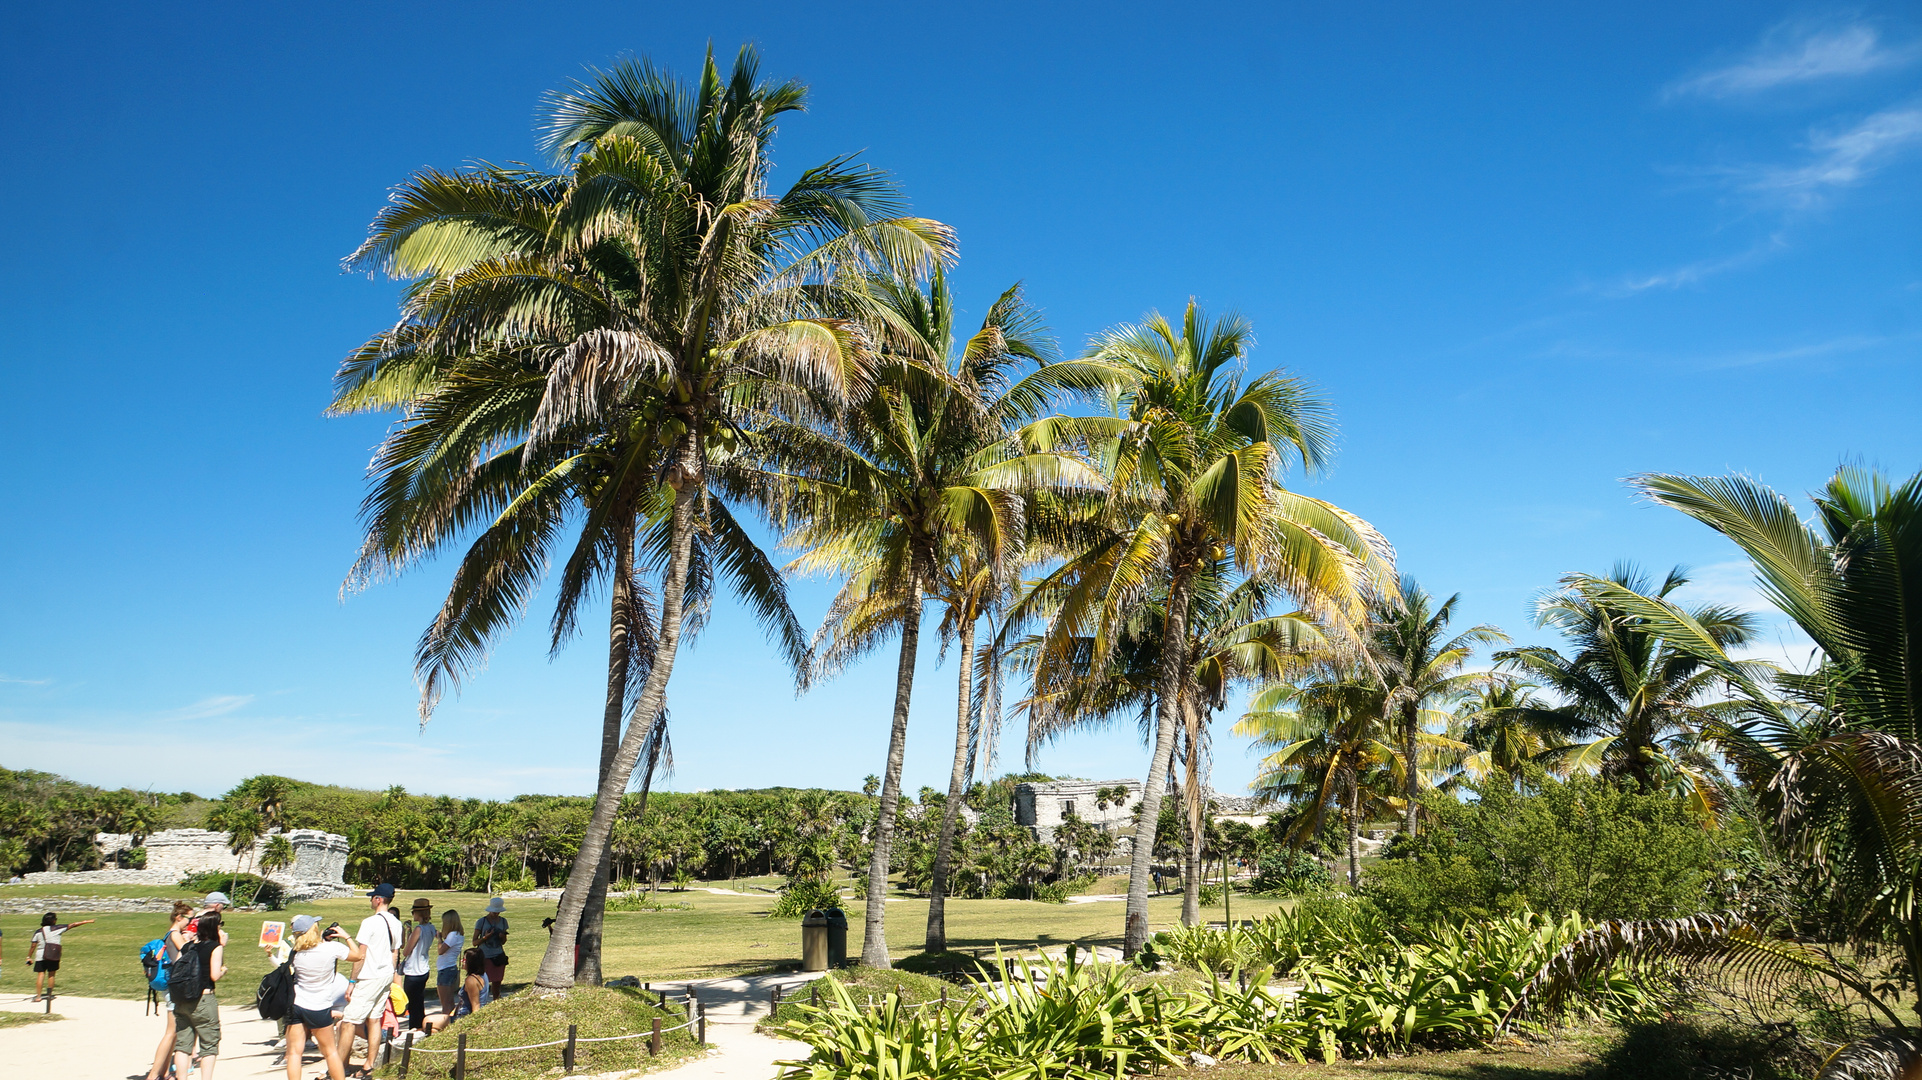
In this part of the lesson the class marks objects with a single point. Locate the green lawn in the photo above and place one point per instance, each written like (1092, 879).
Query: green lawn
(15, 1019)
(717, 935)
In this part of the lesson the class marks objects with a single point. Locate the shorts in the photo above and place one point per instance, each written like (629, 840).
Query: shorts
(368, 999)
(201, 1021)
(496, 967)
(312, 1019)
(447, 976)
(48, 966)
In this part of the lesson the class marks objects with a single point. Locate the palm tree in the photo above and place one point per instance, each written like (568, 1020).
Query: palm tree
(1421, 671)
(1499, 721)
(1327, 747)
(1196, 459)
(593, 343)
(1636, 703)
(1233, 639)
(918, 491)
(243, 826)
(1834, 755)
(277, 855)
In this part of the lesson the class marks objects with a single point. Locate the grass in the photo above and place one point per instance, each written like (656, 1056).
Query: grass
(714, 936)
(20, 1019)
(524, 1019)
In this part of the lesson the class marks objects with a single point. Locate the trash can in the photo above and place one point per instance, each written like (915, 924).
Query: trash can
(814, 941)
(837, 924)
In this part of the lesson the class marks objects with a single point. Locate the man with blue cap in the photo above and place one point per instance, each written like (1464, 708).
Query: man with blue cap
(380, 935)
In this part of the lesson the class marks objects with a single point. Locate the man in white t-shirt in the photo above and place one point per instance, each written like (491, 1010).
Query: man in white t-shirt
(373, 974)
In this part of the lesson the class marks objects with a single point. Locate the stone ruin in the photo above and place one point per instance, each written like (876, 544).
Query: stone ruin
(318, 872)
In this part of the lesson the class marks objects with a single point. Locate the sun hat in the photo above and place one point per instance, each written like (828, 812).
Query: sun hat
(217, 898)
(383, 890)
(304, 923)
(497, 905)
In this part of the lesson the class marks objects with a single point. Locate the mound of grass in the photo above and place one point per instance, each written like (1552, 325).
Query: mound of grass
(22, 1019)
(525, 1018)
(866, 983)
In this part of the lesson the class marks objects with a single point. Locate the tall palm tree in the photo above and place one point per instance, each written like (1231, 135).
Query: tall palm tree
(1635, 703)
(605, 333)
(1196, 458)
(917, 491)
(1835, 755)
(1422, 669)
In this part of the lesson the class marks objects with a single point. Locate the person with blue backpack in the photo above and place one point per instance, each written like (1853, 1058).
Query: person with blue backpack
(193, 978)
(155, 957)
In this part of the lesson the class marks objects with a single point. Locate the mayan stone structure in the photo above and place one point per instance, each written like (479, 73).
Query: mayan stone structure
(319, 869)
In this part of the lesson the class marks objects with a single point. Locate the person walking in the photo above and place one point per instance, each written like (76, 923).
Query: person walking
(447, 969)
(380, 934)
(317, 985)
(418, 962)
(197, 1008)
(45, 949)
(490, 935)
(183, 913)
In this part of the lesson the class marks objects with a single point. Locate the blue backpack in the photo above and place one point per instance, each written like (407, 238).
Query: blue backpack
(153, 961)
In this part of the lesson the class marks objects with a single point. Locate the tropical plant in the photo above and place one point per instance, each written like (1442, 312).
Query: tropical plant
(609, 332)
(1636, 702)
(277, 855)
(1195, 458)
(1422, 670)
(1835, 754)
(1501, 723)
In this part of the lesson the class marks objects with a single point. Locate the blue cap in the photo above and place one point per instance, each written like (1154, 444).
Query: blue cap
(304, 923)
(217, 898)
(383, 890)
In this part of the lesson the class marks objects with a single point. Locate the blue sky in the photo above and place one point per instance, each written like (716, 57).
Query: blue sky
(1526, 251)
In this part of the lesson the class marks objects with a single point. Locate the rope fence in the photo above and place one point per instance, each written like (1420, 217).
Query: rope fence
(696, 1019)
(556, 1042)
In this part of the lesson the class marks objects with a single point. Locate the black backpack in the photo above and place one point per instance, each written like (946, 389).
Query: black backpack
(275, 998)
(184, 975)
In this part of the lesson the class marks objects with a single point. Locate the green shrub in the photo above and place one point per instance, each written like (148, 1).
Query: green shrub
(802, 895)
(245, 890)
(1584, 846)
(1209, 895)
(1290, 873)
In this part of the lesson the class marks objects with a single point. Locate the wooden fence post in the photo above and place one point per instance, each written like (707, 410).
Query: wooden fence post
(567, 1052)
(814, 993)
(460, 1058)
(654, 1040)
(700, 1025)
(406, 1057)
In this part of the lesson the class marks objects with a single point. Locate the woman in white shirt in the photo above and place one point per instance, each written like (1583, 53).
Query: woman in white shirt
(318, 985)
(417, 962)
(447, 972)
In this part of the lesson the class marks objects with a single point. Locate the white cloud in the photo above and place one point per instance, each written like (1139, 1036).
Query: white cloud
(208, 708)
(1840, 159)
(24, 682)
(1792, 54)
(1852, 343)
(1695, 272)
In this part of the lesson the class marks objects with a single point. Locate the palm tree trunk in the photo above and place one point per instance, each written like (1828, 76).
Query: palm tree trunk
(957, 782)
(1168, 701)
(1410, 734)
(620, 630)
(1353, 813)
(1191, 805)
(557, 965)
(874, 931)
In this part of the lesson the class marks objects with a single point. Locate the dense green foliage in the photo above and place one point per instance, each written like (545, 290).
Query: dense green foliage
(244, 889)
(1582, 846)
(1290, 872)
(48, 822)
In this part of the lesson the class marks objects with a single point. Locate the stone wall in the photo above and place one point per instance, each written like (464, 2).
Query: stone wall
(319, 869)
(1042, 807)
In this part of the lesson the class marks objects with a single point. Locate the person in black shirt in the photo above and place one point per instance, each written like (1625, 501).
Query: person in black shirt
(200, 1019)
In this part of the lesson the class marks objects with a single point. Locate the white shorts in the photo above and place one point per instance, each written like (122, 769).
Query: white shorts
(368, 999)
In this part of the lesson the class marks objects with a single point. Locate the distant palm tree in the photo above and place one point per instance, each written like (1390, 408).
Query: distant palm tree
(1327, 748)
(277, 855)
(243, 826)
(1196, 458)
(1503, 722)
(1636, 702)
(586, 346)
(1423, 671)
